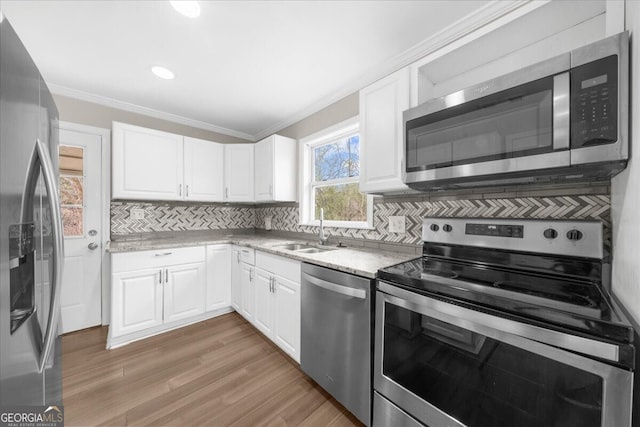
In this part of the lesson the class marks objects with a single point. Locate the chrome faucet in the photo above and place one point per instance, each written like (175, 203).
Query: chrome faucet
(321, 237)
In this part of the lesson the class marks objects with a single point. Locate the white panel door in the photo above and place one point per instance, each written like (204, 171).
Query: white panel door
(218, 277)
(184, 291)
(263, 180)
(146, 163)
(238, 170)
(248, 292)
(80, 159)
(138, 299)
(381, 133)
(263, 302)
(203, 170)
(286, 326)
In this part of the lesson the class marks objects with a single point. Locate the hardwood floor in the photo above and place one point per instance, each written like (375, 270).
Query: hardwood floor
(218, 372)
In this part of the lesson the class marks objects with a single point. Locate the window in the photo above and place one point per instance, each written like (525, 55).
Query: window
(72, 190)
(331, 174)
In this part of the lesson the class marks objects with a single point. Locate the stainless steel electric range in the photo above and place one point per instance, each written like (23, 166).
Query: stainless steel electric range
(502, 323)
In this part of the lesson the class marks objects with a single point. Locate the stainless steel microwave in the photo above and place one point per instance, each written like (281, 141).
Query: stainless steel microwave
(561, 120)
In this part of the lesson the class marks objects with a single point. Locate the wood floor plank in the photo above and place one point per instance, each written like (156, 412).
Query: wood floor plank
(217, 372)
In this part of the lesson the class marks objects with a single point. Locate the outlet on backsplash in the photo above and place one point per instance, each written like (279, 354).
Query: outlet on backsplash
(136, 213)
(397, 224)
(267, 222)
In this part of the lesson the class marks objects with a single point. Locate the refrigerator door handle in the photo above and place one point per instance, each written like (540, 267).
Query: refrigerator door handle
(40, 159)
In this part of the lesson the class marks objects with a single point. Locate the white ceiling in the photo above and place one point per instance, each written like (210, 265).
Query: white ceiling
(244, 68)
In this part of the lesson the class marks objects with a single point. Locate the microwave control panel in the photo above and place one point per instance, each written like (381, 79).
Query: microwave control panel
(594, 97)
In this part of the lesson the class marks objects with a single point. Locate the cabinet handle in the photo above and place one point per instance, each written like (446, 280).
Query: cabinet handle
(180, 190)
(226, 192)
(271, 189)
(166, 275)
(187, 190)
(238, 253)
(160, 278)
(251, 275)
(164, 254)
(271, 284)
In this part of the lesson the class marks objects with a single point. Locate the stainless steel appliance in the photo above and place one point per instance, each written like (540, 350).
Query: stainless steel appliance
(502, 323)
(561, 120)
(336, 338)
(31, 245)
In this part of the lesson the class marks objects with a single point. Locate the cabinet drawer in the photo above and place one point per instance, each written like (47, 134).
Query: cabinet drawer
(278, 265)
(247, 255)
(130, 261)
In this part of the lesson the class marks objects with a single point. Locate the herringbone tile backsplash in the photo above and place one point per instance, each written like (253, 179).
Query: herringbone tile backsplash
(176, 216)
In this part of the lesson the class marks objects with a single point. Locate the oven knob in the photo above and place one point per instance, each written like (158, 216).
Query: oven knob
(574, 234)
(550, 233)
(447, 228)
(434, 227)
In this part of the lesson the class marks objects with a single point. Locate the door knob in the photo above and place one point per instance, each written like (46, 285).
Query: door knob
(93, 246)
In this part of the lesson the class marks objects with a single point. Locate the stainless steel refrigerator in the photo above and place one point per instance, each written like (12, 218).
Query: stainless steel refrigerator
(31, 245)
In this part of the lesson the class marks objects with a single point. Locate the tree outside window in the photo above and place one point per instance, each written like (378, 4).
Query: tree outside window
(332, 176)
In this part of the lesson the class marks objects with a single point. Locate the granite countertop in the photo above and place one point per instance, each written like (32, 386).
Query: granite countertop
(356, 260)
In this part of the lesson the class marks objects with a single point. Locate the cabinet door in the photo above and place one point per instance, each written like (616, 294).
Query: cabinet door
(286, 326)
(203, 170)
(263, 180)
(218, 277)
(236, 280)
(238, 170)
(381, 133)
(146, 164)
(137, 300)
(264, 302)
(248, 292)
(184, 291)
(276, 169)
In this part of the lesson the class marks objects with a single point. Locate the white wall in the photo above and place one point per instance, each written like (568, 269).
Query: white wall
(625, 189)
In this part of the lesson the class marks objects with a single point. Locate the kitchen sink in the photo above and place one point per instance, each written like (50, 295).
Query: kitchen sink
(301, 247)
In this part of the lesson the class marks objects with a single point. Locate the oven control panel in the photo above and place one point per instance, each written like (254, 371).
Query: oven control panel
(561, 237)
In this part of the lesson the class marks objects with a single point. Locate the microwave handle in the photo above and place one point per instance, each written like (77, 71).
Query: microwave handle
(561, 112)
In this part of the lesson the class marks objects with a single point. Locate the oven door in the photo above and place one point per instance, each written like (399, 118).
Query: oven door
(447, 365)
(518, 122)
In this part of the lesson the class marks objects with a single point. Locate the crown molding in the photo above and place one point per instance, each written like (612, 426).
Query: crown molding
(133, 108)
(497, 12)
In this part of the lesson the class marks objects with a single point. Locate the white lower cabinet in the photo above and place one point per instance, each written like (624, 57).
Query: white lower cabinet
(247, 309)
(184, 291)
(136, 301)
(155, 291)
(218, 277)
(277, 301)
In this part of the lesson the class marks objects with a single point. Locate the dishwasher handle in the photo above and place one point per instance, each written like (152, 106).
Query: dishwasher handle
(344, 290)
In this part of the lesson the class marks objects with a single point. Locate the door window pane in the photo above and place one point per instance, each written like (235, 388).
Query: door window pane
(72, 189)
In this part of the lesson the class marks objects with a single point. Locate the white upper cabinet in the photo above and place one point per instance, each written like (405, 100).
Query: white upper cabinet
(238, 172)
(203, 170)
(153, 165)
(147, 164)
(276, 169)
(381, 133)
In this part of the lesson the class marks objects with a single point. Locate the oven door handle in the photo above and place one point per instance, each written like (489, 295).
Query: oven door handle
(535, 333)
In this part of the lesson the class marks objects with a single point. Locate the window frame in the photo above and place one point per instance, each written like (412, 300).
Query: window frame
(307, 175)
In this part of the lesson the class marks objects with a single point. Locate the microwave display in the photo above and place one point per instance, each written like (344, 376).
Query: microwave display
(594, 97)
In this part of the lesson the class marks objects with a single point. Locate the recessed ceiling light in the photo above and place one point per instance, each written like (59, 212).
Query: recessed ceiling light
(162, 72)
(190, 9)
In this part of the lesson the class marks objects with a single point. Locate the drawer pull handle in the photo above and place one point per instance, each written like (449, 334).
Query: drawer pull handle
(164, 254)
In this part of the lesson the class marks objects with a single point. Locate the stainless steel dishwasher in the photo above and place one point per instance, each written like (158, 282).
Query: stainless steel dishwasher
(336, 338)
